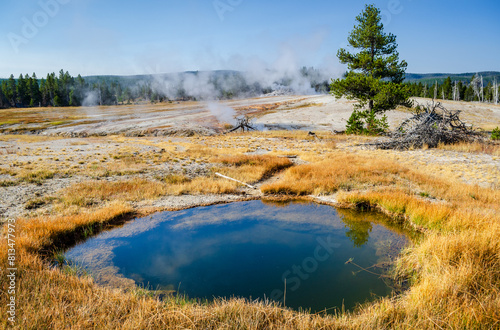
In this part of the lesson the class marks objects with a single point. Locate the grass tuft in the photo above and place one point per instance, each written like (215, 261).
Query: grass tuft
(253, 168)
(37, 177)
(344, 171)
(490, 148)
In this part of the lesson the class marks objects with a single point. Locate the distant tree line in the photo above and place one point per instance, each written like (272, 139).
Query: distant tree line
(458, 90)
(62, 89)
(55, 90)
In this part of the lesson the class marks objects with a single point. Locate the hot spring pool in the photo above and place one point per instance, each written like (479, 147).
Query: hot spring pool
(249, 249)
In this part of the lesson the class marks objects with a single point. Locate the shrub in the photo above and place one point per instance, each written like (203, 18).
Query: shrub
(495, 134)
(366, 122)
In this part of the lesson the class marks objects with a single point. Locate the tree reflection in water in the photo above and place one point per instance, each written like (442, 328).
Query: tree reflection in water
(359, 225)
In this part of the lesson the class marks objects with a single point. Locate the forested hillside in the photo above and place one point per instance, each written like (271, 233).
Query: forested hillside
(479, 87)
(62, 89)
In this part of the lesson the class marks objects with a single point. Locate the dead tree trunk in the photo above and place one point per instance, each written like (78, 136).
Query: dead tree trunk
(243, 123)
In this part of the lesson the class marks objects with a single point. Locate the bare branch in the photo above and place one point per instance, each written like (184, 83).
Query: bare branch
(430, 127)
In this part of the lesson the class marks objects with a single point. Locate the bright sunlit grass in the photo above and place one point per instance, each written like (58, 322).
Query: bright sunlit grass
(453, 269)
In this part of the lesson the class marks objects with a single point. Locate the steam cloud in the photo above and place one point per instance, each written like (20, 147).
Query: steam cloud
(216, 85)
(91, 99)
(223, 113)
(285, 74)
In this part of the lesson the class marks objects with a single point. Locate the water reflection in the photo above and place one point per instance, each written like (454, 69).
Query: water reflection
(359, 230)
(248, 249)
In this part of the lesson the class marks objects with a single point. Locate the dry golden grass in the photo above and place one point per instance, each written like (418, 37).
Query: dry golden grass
(27, 138)
(115, 167)
(456, 266)
(27, 174)
(456, 278)
(454, 269)
(339, 171)
(297, 137)
(204, 185)
(36, 176)
(93, 192)
(490, 148)
(44, 116)
(305, 105)
(55, 298)
(455, 273)
(37, 234)
(440, 216)
(253, 168)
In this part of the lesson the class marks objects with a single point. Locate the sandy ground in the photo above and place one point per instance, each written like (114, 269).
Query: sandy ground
(307, 112)
(317, 112)
(322, 112)
(81, 157)
(482, 115)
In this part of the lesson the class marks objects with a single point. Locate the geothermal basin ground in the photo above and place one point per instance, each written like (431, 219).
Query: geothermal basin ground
(68, 173)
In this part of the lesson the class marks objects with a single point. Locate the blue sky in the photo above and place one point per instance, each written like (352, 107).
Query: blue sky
(154, 36)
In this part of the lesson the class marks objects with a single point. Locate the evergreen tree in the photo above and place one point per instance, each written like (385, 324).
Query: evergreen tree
(469, 93)
(51, 87)
(81, 88)
(461, 88)
(74, 101)
(35, 91)
(29, 83)
(419, 90)
(22, 91)
(57, 101)
(127, 95)
(488, 92)
(375, 73)
(65, 84)
(44, 93)
(447, 89)
(10, 91)
(3, 100)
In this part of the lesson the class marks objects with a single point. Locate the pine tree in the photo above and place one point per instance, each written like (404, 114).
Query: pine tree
(419, 90)
(80, 90)
(11, 91)
(44, 93)
(65, 83)
(36, 98)
(375, 73)
(51, 86)
(3, 100)
(469, 93)
(22, 91)
(447, 89)
(488, 92)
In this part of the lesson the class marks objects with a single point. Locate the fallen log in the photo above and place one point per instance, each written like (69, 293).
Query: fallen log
(243, 183)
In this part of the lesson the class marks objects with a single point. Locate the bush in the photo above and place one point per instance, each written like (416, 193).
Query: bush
(366, 122)
(495, 134)
(355, 123)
